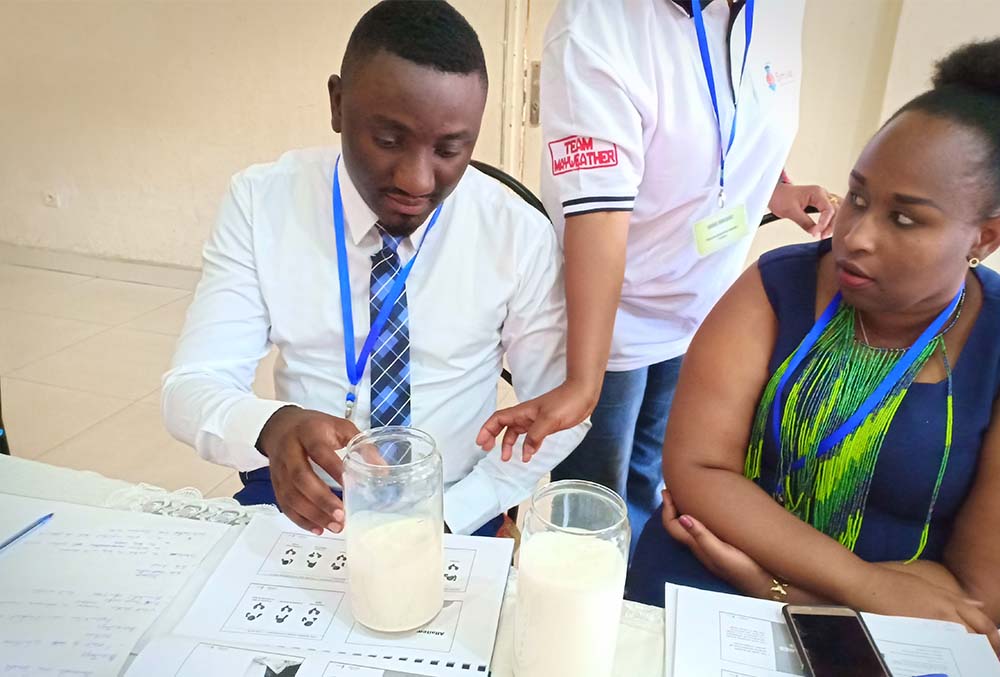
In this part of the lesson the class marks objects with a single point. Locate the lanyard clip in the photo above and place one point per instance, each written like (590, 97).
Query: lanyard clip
(351, 399)
(722, 198)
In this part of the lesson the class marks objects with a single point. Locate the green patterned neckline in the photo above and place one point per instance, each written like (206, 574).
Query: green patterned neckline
(837, 375)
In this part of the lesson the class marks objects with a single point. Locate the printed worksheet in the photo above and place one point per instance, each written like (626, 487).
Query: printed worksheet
(78, 593)
(283, 587)
(731, 636)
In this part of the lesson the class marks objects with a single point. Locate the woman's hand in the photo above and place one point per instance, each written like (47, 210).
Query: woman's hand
(892, 592)
(558, 409)
(728, 563)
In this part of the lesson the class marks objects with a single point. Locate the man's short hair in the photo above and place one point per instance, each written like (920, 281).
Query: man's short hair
(427, 32)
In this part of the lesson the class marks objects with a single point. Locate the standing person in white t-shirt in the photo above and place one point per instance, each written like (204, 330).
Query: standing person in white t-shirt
(656, 187)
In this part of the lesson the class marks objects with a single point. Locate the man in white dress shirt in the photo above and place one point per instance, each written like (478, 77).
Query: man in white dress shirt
(408, 106)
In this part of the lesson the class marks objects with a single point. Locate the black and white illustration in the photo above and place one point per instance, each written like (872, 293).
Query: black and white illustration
(758, 642)
(312, 557)
(287, 611)
(218, 659)
(325, 559)
(437, 636)
(458, 563)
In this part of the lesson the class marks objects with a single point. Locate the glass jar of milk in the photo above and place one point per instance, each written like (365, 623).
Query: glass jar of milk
(393, 489)
(571, 578)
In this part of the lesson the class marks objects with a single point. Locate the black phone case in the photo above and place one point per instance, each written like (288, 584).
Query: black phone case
(789, 621)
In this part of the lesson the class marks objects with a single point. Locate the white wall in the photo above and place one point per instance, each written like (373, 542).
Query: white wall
(928, 30)
(846, 51)
(917, 48)
(134, 114)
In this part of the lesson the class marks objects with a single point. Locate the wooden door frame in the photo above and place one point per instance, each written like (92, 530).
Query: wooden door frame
(514, 82)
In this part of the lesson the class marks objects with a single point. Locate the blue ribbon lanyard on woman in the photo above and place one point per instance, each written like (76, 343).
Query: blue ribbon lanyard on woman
(706, 62)
(356, 367)
(890, 380)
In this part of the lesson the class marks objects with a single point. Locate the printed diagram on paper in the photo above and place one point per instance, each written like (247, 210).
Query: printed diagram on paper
(285, 611)
(319, 558)
(282, 587)
(758, 642)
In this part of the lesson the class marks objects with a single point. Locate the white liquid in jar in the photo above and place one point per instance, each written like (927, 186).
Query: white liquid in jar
(569, 599)
(395, 570)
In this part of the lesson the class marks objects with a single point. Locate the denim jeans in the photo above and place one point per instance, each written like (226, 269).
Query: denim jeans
(624, 448)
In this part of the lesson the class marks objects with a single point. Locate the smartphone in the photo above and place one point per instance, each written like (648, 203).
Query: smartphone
(834, 641)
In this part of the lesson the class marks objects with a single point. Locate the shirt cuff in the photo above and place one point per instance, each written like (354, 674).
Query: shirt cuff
(470, 503)
(243, 425)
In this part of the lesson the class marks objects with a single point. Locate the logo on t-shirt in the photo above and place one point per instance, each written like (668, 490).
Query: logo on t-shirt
(776, 78)
(581, 152)
(772, 82)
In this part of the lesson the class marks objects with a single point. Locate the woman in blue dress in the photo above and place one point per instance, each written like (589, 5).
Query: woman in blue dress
(835, 435)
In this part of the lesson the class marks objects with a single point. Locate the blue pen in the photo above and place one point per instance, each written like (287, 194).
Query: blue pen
(26, 530)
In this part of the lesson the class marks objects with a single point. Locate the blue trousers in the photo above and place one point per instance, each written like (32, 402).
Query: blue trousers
(257, 489)
(624, 449)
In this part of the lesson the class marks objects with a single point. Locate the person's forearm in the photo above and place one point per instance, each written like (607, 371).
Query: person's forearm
(797, 595)
(814, 568)
(943, 575)
(794, 594)
(782, 544)
(594, 247)
(932, 572)
(204, 409)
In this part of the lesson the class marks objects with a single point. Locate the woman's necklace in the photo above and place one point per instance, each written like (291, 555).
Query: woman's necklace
(954, 321)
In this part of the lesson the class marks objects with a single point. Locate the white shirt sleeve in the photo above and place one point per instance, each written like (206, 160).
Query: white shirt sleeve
(206, 399)
(592, 131)
(534, 338)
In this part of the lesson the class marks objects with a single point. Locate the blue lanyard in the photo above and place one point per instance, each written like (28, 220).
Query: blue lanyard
(706, 62)
(890, 380)
(356, 367)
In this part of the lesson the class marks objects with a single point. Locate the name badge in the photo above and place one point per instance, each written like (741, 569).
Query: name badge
(720, 230)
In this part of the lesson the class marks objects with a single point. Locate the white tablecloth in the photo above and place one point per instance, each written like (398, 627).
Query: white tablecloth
(640, 633)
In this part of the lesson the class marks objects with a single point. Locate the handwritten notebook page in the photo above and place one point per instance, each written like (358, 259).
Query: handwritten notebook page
(78, 593)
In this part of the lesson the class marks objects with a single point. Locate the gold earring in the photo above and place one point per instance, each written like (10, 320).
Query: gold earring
(973, 262)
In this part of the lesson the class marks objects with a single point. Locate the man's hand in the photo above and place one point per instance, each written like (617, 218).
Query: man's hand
(558, 409)
(790, 201)
(725, 561)
(290, 439)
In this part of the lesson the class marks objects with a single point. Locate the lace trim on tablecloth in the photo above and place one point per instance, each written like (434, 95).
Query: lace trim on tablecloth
(187, 503)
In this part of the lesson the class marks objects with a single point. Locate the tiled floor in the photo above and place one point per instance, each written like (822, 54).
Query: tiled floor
(80, 366)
